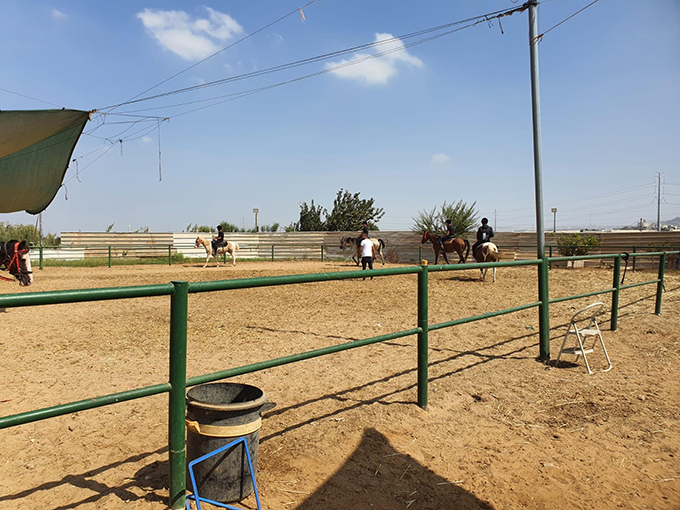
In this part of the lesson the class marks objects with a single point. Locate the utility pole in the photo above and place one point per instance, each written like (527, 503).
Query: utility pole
(554, 211)
(40, 232)
(256, 227)
(543, 294)
(658, 202)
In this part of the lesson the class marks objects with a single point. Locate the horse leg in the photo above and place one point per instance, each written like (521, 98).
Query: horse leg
(217, 253)
(446, 259)
(494, 275)
(233, 257)
(207, 259)
(436, 253)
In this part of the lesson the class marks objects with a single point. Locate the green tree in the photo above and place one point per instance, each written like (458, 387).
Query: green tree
(310, 218)
(463, 219)
(229, 227)
(569, 245)
(18, 232)
(274, 227)
(109, 228)
(349, 212)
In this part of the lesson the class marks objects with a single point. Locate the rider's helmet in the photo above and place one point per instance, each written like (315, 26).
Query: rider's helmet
(219, 227)
(484, 221)
(448, 222)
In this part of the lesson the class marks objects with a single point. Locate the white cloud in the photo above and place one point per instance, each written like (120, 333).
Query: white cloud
(440, 159)
(58, 15)
(191, 39)
(377, 70)
(147, 139)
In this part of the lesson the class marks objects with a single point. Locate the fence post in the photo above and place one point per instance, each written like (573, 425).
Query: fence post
(659, 285)
(634, 259)
(543, 309)
(420, 255)
(41, 258)
(615, 294)
(178, 385)
(422, 338)
(550, 264)
(169, 255)
(109, 255)
(272, 253)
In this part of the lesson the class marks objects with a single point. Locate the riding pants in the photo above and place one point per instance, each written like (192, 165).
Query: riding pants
(366, 261)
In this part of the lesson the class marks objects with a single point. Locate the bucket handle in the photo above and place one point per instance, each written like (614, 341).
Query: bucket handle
(224, 430)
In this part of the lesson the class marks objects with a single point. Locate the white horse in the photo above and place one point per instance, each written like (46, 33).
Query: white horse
(356, 242)
(487, 252)
(231, 248)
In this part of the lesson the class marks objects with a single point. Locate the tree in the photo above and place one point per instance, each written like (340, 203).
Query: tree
(310, 218)
(569, 245)
(228, 227)
(109, 228)
(274, 227)
(463, 219)
(349, 212)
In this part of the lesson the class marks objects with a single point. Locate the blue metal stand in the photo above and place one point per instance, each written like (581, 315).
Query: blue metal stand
(195, 497)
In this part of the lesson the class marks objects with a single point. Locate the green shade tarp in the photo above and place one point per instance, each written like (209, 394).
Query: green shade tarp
(35, 150)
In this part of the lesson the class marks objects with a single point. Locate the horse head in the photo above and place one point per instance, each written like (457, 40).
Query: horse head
(14, 255)
(198, 242)
(346, 241)
(426, 237)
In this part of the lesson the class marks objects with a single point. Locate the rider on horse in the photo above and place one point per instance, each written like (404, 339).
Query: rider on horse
(484, 235)
(450, 234)
(218, 240)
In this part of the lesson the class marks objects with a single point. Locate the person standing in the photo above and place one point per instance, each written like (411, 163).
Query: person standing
(367, 253)
(484, 235)
(217, 240)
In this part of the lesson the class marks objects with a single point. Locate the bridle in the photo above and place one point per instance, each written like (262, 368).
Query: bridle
(14, 260)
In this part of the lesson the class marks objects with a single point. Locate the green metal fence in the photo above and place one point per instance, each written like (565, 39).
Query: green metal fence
(180, 290)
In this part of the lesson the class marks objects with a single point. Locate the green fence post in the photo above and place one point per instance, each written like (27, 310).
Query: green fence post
(659, 285)
(420, 255)
(109, 255)
(169, 255)
(543, 310)
(179, 302)
(272, 253)
(322, 253)
(422, 338)
(634, 259)
(41, 258)
(615, 294)
(550, 264)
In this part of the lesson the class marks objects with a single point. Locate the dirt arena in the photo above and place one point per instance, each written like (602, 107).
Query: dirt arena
(501, 431)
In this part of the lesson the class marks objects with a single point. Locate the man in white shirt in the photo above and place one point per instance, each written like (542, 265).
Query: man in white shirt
(367, 253)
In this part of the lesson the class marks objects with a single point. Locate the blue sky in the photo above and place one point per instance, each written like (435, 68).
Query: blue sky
(449, 119)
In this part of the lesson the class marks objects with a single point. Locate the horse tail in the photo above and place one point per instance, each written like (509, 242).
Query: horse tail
(382, 243)
(236, 248)
(467, 245)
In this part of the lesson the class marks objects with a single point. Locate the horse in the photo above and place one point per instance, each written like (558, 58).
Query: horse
(231, 247)
(379, 244)
(487, 252)
(459, 245)
(15, 258)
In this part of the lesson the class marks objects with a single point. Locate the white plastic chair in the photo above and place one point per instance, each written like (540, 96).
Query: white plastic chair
(583, 325)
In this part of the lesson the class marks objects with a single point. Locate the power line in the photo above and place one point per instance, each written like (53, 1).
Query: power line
(326, 56)
(33, 98)
(540, 36)
(299, 9)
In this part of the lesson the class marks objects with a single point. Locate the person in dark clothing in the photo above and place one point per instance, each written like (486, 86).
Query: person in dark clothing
(364, 228)
(218, 240)
(450, 234)
(484, 235)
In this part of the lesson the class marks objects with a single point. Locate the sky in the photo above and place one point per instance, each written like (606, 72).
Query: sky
(411, 126)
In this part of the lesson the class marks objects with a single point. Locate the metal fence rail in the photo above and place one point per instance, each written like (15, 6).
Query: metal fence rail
(180, 290)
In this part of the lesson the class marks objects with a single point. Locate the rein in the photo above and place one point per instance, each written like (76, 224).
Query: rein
(14, 260)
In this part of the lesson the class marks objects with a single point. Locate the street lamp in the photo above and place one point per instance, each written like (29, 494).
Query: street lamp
(554, 211)
(256, 227)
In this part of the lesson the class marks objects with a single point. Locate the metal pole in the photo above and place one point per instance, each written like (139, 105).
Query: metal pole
(543, 292)
(322, 253)
(658, 203)
(615, 294)
(659, 285)
(178, 382)
(420, 255)
(41, 257)
(272, 253)
(422, 338)
(169, 255)
(109, 255)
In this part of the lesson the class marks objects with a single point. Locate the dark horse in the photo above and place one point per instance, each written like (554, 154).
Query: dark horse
(14, 258)
(459, 245)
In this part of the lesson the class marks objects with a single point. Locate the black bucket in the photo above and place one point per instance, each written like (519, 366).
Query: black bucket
(218, 414)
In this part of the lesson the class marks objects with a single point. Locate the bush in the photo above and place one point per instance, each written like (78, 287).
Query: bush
(570, 245)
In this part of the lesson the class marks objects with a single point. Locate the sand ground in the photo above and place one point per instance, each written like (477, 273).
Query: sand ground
(501, 430)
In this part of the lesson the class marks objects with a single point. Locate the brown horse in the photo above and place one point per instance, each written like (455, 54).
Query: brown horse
(458, 245)
(487, 252)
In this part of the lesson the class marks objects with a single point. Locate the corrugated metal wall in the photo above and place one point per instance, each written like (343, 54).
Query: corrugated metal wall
(401, 246)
